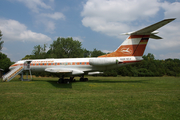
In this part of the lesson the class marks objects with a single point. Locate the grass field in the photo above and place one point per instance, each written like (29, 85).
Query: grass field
(107, 98)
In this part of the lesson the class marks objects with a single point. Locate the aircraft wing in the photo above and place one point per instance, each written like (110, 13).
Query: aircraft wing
(64, 70)
(151, 28)
(58, 70)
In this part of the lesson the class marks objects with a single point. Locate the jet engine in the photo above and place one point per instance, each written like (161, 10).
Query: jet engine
(103, 61)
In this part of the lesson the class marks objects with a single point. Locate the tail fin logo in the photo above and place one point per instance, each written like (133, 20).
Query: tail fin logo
(126, 51)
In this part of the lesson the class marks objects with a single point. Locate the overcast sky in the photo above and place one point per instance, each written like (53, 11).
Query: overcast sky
(96, 23)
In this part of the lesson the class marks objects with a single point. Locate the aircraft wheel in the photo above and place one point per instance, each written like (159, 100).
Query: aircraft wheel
(81, 79)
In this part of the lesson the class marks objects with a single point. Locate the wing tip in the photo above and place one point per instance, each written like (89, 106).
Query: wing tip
(169, 19)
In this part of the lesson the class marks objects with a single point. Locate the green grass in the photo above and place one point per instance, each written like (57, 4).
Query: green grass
(110, 98)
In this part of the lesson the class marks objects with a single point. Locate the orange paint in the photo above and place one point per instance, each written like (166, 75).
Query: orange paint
(130, 50)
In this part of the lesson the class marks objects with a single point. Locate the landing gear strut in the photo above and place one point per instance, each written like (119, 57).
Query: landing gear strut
(83, 79)
(62, 80)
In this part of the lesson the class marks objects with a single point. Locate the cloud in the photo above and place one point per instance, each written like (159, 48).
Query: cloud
(36, 5)
(171, 9)
(170, 37)
(107, 51)
(49, 20)
(78, 38)
(44, 19)
(113, 17)
(14, 31)
(170, 32)
(120, 10)
(169, 55)
(55, 16)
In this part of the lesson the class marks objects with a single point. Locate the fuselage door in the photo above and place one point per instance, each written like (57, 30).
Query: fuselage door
(27, 65)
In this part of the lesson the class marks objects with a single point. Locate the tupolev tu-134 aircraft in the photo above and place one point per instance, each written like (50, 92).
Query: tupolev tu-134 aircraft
(130, 51)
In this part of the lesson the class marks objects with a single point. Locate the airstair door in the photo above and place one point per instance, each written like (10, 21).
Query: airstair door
(27, 70)
(27, 65)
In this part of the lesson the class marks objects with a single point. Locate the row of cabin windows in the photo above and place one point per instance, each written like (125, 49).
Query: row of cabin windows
(72, 63)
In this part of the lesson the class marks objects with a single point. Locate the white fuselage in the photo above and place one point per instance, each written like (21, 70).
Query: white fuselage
(78, 65)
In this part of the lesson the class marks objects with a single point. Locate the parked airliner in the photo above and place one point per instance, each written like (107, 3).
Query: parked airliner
(130, 51)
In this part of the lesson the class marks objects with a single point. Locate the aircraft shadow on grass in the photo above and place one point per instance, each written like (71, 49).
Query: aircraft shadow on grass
(65, 85)
(120, 81)
(60, 85)
(55, 84)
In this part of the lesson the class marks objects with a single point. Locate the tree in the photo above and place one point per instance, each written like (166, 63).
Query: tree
(66, 48)
(4, 62)
(87, 53)
(27, 57)
(39, 52)
(96, 53)
(149, 56)
(1, 42)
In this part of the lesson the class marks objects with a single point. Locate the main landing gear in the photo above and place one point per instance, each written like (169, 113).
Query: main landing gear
(62, 80)
(83, 79)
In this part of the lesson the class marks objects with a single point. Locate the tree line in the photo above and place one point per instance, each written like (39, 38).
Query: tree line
(149, 67)
(62, 48)
(69, 48)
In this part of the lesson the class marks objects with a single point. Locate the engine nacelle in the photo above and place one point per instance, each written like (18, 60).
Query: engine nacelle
(103, 61)
(95, 73)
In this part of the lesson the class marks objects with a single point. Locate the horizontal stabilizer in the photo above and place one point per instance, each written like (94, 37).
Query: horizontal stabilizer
(148, 30)
(155, 36)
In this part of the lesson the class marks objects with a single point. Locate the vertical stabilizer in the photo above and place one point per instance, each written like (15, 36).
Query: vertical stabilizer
(136, 43)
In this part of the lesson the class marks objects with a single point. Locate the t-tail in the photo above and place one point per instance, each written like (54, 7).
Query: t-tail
(135, 44)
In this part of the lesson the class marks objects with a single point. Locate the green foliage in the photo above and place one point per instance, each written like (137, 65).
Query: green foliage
(96, 53)
(110, 73)
(149, 56)
(66, 48)
(39, 52)
(27, 57)
(4, 62)
(1, 42)
(87, 53)
(150, 67)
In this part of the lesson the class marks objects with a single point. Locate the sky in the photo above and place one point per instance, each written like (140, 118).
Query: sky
(95, 23)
